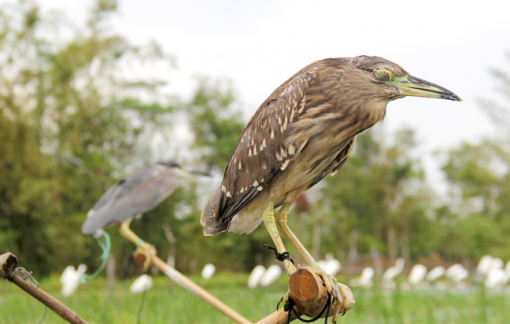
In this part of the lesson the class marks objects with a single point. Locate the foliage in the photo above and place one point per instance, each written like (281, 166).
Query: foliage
(215, 121)
(167, 302)
(380, 193)
(66, 125)
(75, 117)
(479, 175)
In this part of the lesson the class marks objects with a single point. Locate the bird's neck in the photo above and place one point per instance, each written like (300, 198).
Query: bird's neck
(373, 112)
(361, 117)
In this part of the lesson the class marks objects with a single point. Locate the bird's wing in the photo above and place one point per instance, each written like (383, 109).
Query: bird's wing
(124, 186)
(135, 194)
(337, 163)
(265, 147)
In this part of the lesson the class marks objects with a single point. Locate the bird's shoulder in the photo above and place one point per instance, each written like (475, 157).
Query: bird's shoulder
(266, 146)
(148, 174)
(271, 140)
(338, 162)
(125, 186)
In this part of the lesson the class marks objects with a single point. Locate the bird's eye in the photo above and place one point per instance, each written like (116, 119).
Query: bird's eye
(382, 75)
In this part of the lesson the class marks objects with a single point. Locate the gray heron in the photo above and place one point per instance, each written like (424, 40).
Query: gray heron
(134, 195)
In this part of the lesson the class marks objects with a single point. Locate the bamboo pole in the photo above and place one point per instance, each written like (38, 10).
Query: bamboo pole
(307, 290)
(278, 317)
(8, 262)
(192, 287)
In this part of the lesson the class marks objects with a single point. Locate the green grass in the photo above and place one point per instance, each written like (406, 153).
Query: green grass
(167, 302)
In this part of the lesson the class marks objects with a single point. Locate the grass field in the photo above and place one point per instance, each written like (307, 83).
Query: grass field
(167, 302)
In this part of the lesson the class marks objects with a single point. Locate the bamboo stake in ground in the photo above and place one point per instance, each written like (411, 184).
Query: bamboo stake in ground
(307, 290)
(182, 280)
(8, 262)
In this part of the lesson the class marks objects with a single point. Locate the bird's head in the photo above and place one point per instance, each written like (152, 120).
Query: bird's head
(395, 82)
(184, 171)
(171, 164)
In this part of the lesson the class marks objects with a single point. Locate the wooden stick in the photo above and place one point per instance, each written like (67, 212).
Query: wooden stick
(193, 287)
(307, 290)
(8, 263)
(278, 317)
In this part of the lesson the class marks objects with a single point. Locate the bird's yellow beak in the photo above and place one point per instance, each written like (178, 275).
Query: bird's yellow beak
(412, 86)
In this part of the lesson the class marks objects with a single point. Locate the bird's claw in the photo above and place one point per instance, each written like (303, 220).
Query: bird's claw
(143, 255)
(342, 298)
(283, 300)
(279, 256)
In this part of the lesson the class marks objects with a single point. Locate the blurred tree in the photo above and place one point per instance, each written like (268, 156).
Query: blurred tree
(75, 116)
(379, 193)
(479, 178)
(216, 122)
(68, 120)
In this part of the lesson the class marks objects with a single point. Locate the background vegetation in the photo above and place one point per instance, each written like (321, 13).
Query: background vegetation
(76, 114)
(166, 302)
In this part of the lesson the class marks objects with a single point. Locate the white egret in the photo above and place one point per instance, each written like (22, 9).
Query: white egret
(332, 265)
(392, 272)
(255, 276)
(366, 277)
(435, 273)
(417, 274)
(272, 273)
(498, 277)
(457, 273)
(70, 279)
(141, 284)
(484, 266)
(208, 271)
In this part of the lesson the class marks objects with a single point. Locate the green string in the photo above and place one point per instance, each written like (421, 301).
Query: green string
(140, 243)
(105, 246)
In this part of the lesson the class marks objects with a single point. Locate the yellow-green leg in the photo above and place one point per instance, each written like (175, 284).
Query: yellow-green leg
(330, 281)
(149, 250)
(269, 221)
(281, 223)
(125, 231)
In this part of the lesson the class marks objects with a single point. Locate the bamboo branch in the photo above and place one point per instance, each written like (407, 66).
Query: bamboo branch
(278, 317)
(178, 277)
(307, 290)
(8, 262)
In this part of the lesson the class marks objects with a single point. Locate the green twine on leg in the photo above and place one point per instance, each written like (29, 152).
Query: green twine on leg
(140, 243)
(105, 246)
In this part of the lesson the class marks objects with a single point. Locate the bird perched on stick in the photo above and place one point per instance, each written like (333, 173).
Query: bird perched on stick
(134, 195)
(302, 132)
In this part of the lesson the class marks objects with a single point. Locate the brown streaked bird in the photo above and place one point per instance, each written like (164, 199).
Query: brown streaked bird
(302, 132)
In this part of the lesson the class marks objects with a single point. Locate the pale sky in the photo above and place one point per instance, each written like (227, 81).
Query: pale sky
(259, 44)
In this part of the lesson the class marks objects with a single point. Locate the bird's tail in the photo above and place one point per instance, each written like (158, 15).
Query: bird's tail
(210, 215)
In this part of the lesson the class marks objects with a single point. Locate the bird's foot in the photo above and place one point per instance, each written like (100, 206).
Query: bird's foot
(342, 298)
(143, 255)
(279, 256)
(285, 258)
(283, 300)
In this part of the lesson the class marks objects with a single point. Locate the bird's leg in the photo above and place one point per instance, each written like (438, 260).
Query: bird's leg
(125, 231)
(270, 223)
(330, 282)
(281, 222)
(146, 249)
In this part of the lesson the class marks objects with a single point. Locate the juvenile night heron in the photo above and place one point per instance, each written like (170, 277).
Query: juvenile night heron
(131, 197)
(304, 131)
